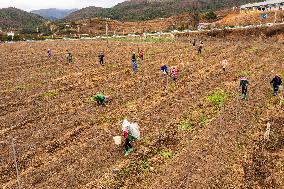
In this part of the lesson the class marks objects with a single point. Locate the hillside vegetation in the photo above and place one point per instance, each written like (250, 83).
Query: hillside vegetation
(16, 18)
(136, 10)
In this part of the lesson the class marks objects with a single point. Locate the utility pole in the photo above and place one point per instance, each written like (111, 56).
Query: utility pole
(16, 164)
(275, 17)
(106, 29)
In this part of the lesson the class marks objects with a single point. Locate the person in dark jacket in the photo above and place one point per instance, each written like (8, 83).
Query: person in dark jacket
(194, 42)
(276, 83)
(101, 58)
(200, 47)
(49, 53)
(244, 86)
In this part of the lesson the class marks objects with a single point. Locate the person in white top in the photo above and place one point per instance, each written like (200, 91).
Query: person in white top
(224, 63)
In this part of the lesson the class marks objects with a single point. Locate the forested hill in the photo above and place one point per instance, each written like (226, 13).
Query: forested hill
(136, 10)
(16, 18)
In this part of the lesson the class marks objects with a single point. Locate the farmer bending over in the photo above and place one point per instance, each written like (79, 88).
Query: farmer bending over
(100, 98)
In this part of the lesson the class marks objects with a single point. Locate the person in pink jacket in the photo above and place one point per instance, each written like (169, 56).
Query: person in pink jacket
(174, 72)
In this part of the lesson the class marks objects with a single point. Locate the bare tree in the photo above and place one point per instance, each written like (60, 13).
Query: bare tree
(196, 12)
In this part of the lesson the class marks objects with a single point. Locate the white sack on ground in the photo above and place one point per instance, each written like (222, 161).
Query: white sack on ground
(133, 128)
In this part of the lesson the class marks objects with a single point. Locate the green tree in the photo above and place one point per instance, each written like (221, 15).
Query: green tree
(210, 15)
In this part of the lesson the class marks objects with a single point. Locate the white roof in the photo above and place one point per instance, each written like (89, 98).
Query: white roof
(268, 2)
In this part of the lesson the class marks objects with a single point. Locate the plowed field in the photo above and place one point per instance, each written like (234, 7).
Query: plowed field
(64, 140)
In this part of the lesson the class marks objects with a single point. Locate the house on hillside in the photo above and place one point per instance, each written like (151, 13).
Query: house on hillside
(269, 5)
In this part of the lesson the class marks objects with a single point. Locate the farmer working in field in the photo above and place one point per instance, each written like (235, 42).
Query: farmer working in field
(69, 57)
(174, 72)
(127, 137)
(101, 58)
(194, 42)
(141, 54)
(100, 98)
(134, 63)
(244, 86)
(224, 63)
(200, 47)
(49, 53)
(130, 133)
(276, 83)
(165, 69)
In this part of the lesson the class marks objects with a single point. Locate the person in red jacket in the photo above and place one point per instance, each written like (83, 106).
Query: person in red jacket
(141, 55)
(127, 146)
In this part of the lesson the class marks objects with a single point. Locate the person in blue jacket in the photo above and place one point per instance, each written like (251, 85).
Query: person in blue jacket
(165, 69)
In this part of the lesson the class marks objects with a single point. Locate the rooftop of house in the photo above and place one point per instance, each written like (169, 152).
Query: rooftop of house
(259, 4)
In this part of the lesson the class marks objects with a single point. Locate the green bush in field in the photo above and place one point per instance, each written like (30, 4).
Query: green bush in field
(184, 125)
(282, 102)
(282, 75)
(245, 73)
(204, 120)
(217, 98)
(50, 94)
(145, 165)
(253, 49)
(166, 153)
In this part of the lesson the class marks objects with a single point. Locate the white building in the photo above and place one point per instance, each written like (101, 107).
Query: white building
(269, 5)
